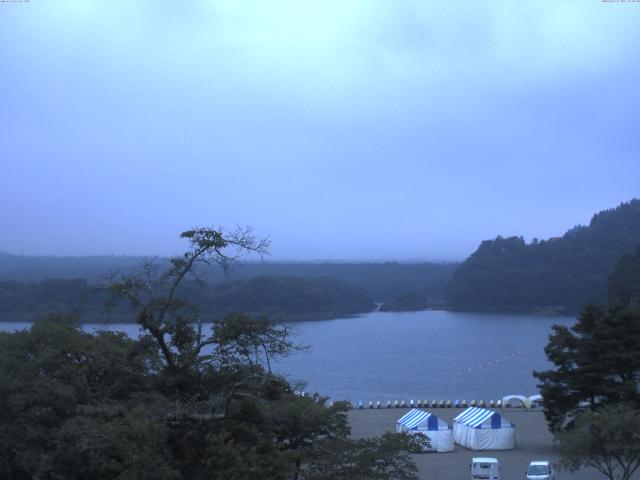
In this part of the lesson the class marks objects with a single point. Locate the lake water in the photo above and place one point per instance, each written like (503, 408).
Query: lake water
(415, 355)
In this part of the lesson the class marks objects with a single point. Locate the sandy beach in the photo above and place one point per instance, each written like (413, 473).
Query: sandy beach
(533, 440)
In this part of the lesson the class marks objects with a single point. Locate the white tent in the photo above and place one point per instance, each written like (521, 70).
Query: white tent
(421, 422)
(524, 402)
(482, 429)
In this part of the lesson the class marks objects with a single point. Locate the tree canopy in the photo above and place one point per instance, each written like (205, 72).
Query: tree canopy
(181, 402)
(607, 440)
(559, 273)
(624, 285)
(597, 362)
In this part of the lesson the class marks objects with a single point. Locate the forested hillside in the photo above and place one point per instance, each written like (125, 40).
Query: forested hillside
(281, 298)
(287, 298)
(559, 273)
(624, 286)
(382, 281)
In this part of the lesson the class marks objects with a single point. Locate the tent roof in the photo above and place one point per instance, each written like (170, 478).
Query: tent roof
(413, 418)
(474, 416)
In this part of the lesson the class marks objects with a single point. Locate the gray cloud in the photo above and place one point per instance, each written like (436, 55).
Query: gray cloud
(363, 130)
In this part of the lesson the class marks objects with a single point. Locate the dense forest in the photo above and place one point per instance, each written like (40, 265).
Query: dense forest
(34, 286)
(624, 285)
(407, 302)
(280, 298)
(286, 298)
(558, 274)
(382, 281)
(591, 393)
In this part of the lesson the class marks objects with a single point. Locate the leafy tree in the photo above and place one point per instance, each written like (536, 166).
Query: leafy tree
(153, 292)
(366, 459)
(607, 440)
(114, 442)
(177, 403)
(54, 376)
(301, 422)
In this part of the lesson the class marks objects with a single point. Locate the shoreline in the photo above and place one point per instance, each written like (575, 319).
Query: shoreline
(533, 440)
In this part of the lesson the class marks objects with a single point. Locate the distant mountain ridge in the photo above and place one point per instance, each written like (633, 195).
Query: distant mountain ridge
(382, 281)
(559, 274)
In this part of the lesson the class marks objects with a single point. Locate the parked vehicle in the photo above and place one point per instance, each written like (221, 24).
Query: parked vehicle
(485, 468)
(540, 470)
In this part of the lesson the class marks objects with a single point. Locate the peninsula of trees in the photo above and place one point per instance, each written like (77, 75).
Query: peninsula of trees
(280, 298)
(31, 287)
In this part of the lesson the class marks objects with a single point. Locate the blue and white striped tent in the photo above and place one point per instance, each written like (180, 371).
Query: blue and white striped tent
(481, 429)
(437, 430)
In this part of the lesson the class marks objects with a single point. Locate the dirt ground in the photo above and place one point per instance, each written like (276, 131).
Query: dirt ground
(534, 442)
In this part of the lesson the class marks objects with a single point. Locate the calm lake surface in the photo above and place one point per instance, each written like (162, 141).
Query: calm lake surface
(414, 355)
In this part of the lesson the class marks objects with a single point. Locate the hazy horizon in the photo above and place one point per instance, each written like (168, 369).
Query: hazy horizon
(352, 131)
(270, 259)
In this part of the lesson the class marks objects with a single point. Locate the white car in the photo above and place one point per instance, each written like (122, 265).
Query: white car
(540, 470)
(485, 468)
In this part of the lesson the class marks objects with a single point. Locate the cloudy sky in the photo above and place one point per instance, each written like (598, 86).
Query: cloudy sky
(361, 130)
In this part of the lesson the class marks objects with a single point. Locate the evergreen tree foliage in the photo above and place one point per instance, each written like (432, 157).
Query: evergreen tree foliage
(559, 273)
(597, 362)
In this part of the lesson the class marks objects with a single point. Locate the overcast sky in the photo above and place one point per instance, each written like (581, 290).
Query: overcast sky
(342, 129)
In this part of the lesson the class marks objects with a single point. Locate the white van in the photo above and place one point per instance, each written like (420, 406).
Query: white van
(485, 468)
(540, 470)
